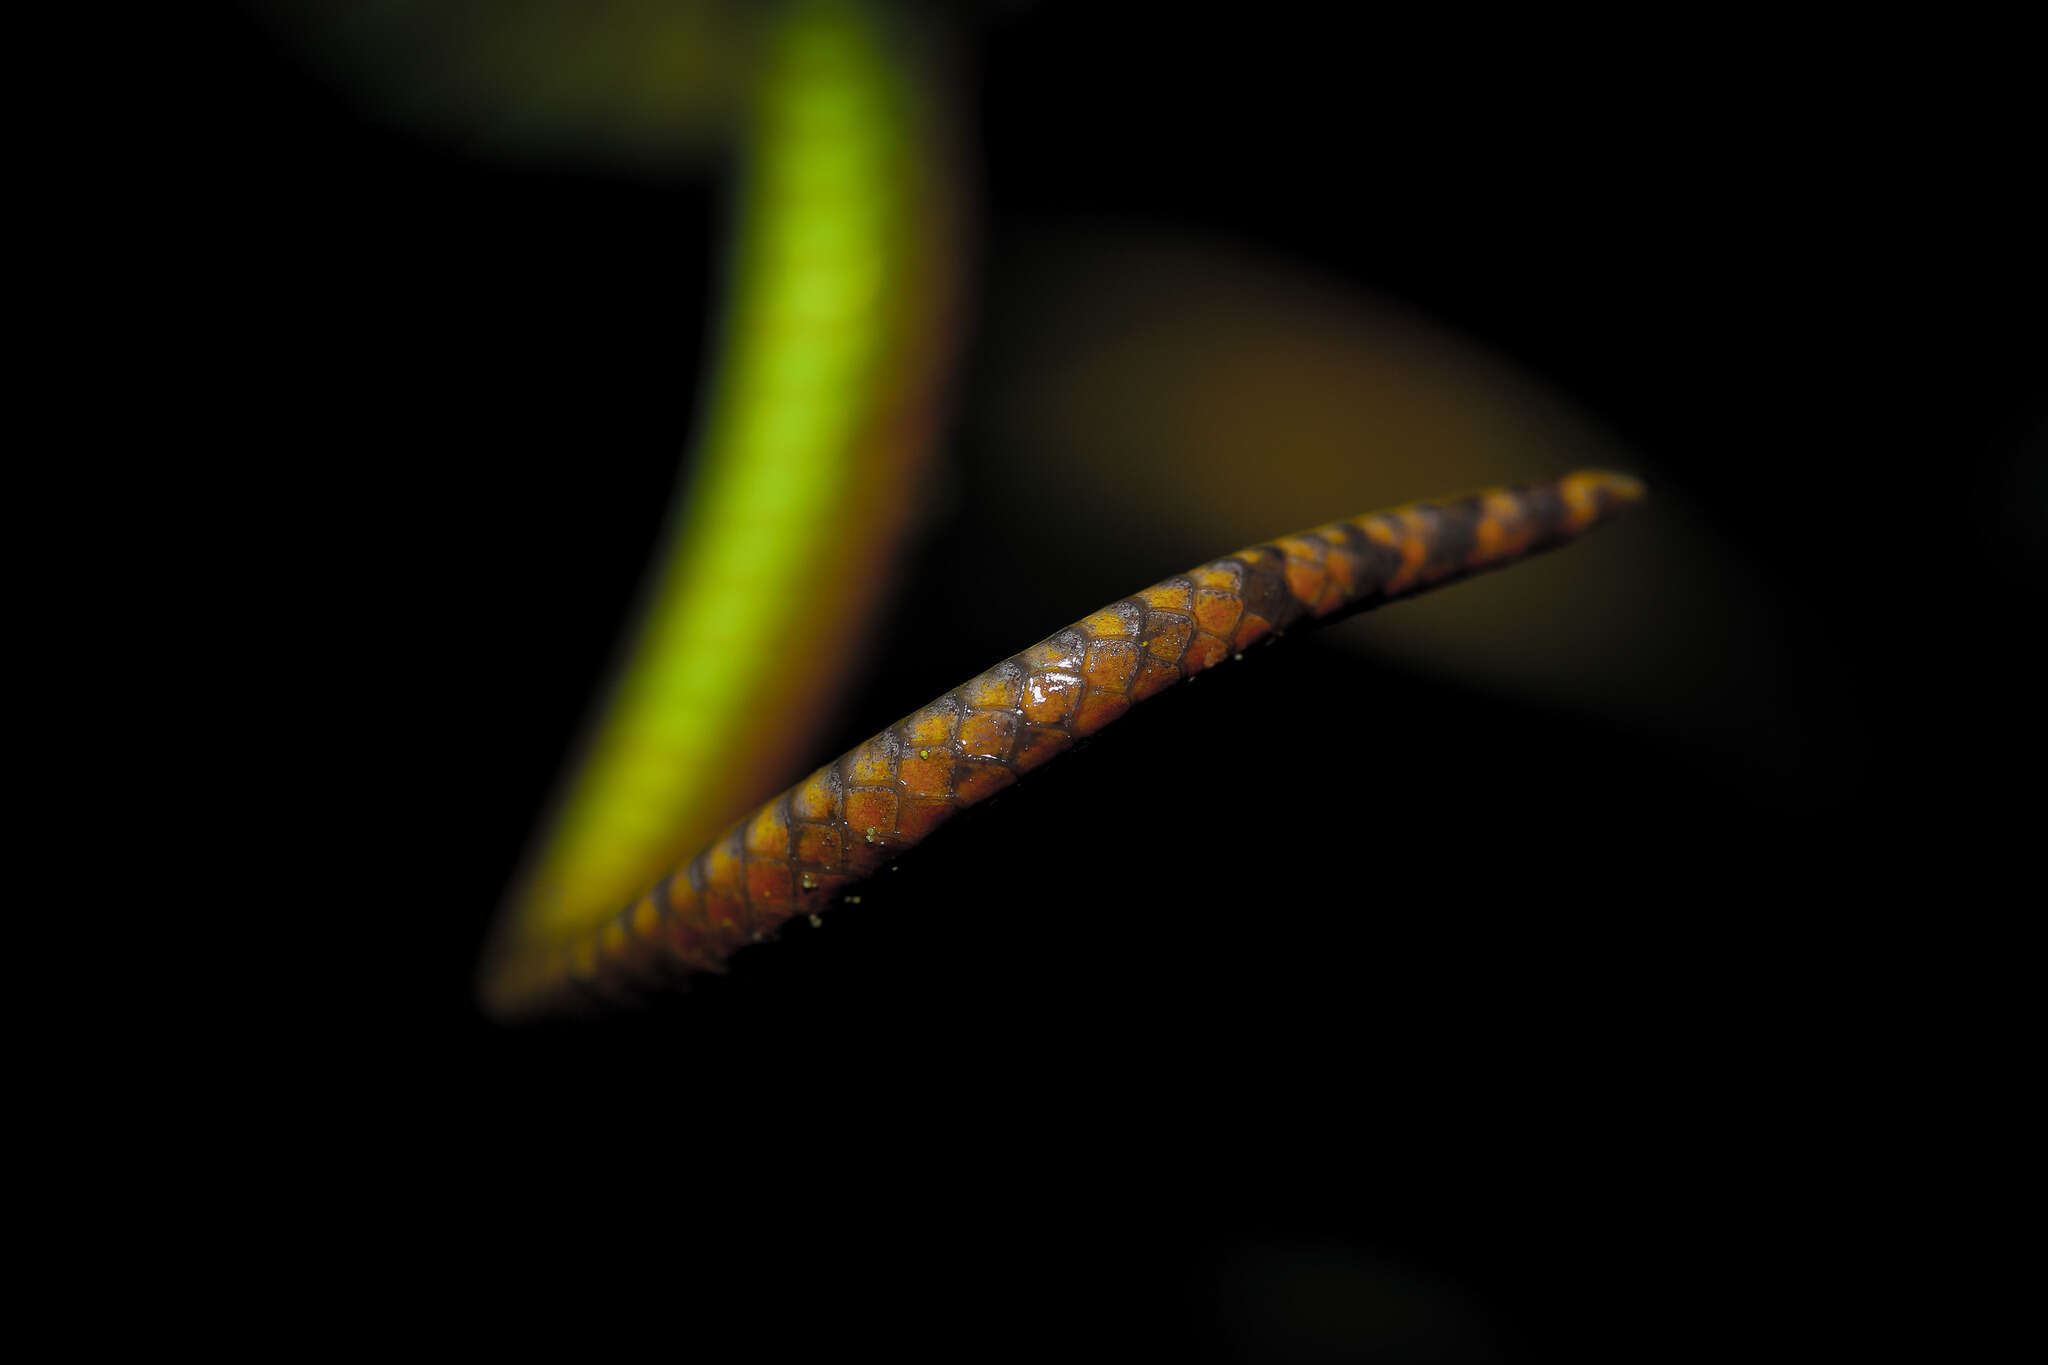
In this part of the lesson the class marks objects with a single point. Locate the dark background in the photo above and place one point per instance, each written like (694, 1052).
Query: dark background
(1523, 1035)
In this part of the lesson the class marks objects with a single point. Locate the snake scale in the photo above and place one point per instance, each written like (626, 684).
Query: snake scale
(805, 849)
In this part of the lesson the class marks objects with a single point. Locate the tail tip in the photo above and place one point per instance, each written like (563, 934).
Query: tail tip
(1625, 489)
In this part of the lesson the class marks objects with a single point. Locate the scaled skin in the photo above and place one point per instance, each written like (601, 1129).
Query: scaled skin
(803, 850)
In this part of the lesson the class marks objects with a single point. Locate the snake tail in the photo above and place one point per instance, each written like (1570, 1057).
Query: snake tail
(803, 850)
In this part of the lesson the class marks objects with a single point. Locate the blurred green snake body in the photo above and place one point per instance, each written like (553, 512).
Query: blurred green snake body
(842, 279)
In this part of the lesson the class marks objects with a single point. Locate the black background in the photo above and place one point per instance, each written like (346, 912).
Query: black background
(1533, 1035)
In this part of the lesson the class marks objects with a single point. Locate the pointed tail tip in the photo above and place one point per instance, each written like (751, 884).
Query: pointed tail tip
(1592, 496)
(1625, 489)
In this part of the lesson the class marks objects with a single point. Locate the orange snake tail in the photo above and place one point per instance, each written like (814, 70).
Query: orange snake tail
(802, 850)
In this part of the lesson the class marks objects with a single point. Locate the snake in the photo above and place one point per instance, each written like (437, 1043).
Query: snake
(806, 848)
(830, 392)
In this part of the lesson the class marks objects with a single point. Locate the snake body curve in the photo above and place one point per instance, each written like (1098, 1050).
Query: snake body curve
(803, 850)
